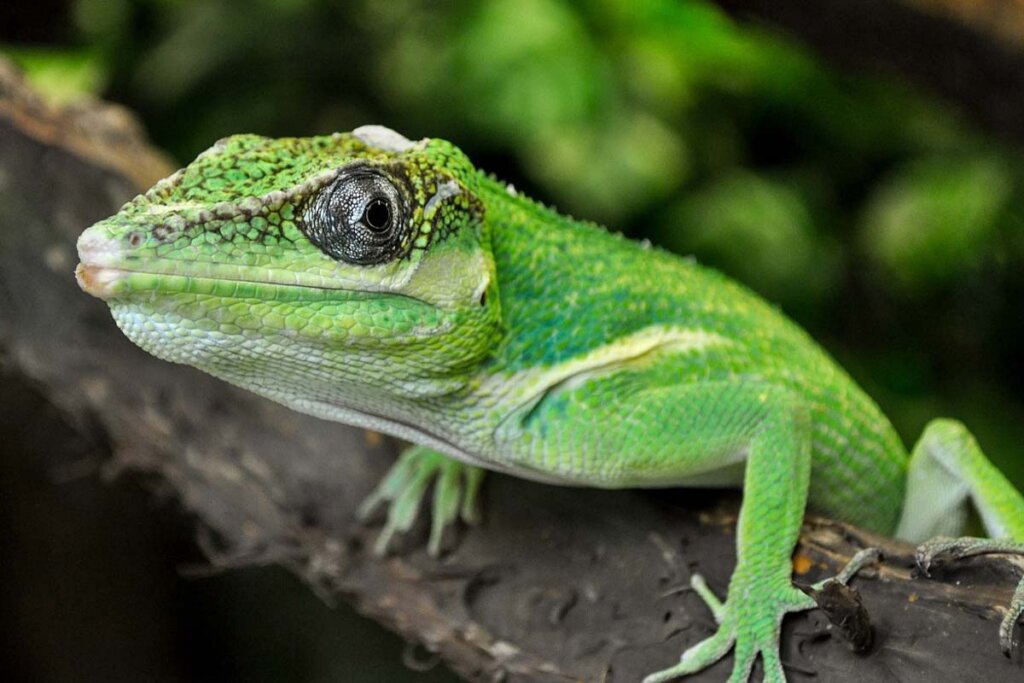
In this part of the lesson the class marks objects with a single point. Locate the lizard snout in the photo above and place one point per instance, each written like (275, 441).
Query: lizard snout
(98, 254)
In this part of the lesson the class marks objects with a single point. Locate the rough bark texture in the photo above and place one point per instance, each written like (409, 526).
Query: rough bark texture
(969, 51)
(557, 584)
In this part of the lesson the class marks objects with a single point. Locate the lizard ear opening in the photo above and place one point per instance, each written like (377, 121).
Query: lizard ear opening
(360, 218)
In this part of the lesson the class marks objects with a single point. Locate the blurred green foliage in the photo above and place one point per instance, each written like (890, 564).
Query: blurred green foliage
(63, 76)
(934, 217)
(870, 212)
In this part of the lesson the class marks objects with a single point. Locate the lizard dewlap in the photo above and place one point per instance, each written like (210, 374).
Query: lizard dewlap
(387, 283)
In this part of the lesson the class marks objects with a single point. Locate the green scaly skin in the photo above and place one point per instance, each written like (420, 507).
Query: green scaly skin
(499, 335)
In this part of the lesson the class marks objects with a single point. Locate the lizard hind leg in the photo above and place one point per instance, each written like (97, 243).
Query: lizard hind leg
(948, 473)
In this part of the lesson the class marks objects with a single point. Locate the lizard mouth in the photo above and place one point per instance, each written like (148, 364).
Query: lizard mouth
(107, 282)
(107, 272)
(97, 254)
(98, 280)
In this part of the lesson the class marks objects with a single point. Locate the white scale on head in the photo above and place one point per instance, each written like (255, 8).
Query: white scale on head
(383, 138)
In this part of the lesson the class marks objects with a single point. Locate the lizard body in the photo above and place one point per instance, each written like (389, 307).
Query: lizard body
(389, 284)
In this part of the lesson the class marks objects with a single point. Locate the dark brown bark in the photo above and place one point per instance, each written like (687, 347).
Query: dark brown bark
(557, 584)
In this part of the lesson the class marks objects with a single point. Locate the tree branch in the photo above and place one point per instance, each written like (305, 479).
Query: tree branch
(557, 584)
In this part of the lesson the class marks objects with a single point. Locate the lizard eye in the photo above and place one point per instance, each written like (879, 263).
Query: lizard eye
(359, 218)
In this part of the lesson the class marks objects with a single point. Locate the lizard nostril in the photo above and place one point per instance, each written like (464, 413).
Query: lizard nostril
(135, 239)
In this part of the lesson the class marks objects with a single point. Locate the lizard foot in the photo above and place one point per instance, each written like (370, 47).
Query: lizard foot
(749, 623)
(945, 549)
(402, 490)
(752, 623)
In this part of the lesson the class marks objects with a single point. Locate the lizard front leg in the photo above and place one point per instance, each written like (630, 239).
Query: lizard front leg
(616, 430)
(456, 489)
(761, 592)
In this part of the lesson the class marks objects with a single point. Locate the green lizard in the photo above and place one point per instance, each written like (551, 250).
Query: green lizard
(388, 284)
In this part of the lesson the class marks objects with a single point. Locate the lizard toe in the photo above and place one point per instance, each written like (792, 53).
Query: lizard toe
(402, 490)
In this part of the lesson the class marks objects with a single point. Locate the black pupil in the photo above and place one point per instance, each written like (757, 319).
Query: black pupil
(378, 214)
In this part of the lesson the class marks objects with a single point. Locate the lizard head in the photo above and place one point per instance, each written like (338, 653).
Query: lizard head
(364, 253)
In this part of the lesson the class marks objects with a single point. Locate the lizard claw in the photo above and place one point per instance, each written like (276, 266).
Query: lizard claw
(941, 549)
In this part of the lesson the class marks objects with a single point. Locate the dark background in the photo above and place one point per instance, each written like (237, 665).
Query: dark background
(872, 212)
